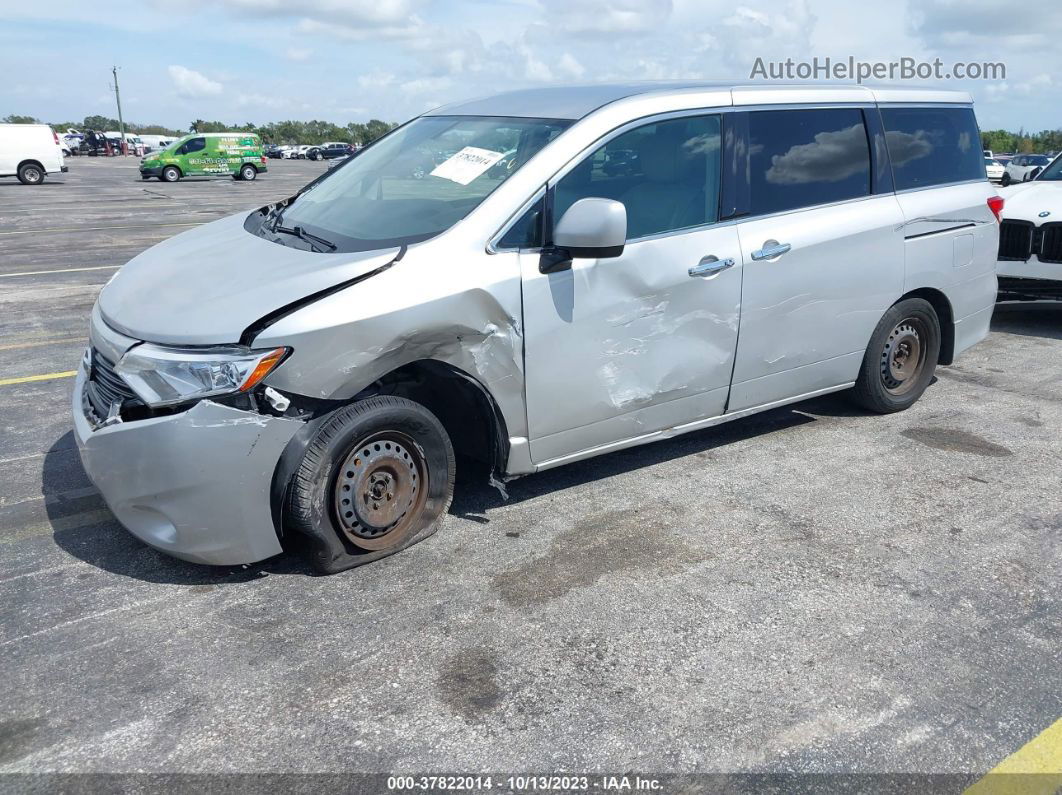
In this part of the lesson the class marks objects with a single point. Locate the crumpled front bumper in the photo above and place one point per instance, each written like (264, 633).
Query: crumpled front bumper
(195, 485)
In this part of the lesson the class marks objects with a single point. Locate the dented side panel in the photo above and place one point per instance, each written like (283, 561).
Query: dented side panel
(452, 305)
(617, 348)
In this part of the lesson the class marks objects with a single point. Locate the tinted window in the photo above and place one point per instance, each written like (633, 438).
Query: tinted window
(800, 158)
(932, 146)
(666, 174)
(527, 231)
(194, 145)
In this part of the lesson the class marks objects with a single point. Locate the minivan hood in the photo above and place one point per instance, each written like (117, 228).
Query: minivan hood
(207, 285)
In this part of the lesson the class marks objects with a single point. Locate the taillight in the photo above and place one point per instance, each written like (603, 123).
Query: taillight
(263, 158)
(995, 204)
(55, 135)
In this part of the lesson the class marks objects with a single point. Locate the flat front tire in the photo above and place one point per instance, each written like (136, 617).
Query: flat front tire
(376, 477)
(170, 174)
(30, 174)
(900, 360)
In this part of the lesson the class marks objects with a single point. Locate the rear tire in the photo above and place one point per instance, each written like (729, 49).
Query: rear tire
(1004, 180)
(376, 477)
(170, 174)
(248, 173)
(900, 359)
(30, 174)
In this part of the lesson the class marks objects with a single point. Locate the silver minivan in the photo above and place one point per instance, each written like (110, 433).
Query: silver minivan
(529, 280)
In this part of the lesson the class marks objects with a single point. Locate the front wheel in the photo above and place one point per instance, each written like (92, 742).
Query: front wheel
(170, 174)
(376, 477)
(900, 359)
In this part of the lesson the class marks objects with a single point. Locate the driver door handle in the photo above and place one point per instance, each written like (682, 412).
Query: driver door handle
(710, 265)
(770, 250)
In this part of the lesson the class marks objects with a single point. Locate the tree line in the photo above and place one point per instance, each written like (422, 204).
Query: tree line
(316, 132)
(276, 132)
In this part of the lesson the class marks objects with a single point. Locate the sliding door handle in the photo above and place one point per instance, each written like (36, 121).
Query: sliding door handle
(770, 250)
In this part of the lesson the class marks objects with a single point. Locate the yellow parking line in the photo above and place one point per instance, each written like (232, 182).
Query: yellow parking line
(93, 228)
(1033, 769)
(28, 378)
(60, 270)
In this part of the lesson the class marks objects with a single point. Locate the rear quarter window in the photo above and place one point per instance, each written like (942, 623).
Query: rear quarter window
(933, 146)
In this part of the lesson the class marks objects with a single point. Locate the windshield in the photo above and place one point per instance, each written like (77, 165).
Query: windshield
(417, 182)
(1053, 171)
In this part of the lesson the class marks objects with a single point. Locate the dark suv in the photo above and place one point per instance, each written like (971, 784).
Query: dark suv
(328, 151)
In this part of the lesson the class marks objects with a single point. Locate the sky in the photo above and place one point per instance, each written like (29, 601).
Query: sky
(351, 60)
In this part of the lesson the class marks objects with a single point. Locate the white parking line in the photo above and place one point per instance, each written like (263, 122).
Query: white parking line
(60, 270)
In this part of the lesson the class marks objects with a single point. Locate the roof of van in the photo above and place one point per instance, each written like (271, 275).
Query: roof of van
(216, 134)
(577, 101)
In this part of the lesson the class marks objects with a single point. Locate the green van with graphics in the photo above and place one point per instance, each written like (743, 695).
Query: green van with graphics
(238, 155)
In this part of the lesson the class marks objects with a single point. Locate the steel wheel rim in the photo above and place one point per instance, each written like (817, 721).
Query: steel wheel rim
(380, 490)
(903, 357)
(33, 174)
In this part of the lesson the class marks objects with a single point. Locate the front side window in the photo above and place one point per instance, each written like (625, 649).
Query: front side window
(801, 158)
(933, 146)
(194, 145)
(666, 174)
(415, 183)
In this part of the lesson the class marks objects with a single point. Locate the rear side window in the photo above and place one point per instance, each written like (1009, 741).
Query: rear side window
(933, 146)
(800, 158)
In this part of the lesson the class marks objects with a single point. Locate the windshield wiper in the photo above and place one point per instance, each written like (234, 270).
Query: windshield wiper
(315, 242)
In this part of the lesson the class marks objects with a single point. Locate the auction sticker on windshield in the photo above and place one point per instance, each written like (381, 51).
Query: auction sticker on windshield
(466, 165)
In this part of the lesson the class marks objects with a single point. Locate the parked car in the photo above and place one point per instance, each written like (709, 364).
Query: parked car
(272, 151)
(289, 152)
(301, 150)
(30, 152)
(329, 150)
(235, 154)
(305, 373)
(1022, 167)
(156, 143)
(993, 169)
(1030, 238)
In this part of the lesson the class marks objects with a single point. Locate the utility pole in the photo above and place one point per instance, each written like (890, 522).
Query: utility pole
(118, 99)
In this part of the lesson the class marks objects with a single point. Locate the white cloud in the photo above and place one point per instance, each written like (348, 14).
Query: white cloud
(346, 12)
(192, 84)
(606, 16)
(297, 53)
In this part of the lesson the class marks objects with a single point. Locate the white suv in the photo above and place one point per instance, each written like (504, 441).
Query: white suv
(1023, 167)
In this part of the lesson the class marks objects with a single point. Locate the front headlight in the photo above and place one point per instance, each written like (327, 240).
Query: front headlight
(163, 376)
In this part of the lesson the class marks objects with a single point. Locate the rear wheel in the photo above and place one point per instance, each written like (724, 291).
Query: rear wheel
(1005, 179)
(376, 477)
(900, 359)
(248, 172)
(170, 174)
(30, 174)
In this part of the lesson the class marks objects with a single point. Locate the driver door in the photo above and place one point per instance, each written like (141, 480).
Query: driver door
(617, 349)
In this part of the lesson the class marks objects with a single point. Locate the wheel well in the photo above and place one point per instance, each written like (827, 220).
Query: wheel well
(171, 165)
(464, 407)
(252, 165)
(942, 306)
(36, 163)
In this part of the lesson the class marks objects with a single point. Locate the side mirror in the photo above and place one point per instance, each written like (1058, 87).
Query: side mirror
(592, 228)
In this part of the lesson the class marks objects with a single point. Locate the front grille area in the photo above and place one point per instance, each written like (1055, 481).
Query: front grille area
(1051, 243)
(1015, 240)
(104, 387)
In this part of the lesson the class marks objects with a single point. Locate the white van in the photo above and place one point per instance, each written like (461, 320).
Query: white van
(156, 143)
(29, 152)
